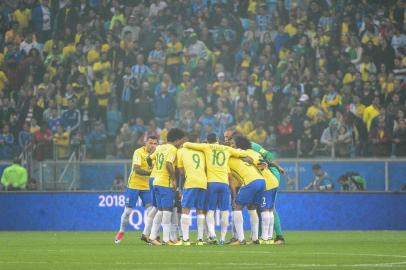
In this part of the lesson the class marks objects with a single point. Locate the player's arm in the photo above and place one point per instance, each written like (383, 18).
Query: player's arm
(233, 187)
(150, 158)
(141, 171)
(264, 153)
(195, 146)
(137, 165)
(172, 173)
(181, 170)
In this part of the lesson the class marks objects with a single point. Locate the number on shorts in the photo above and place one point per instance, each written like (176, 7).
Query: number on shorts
(219, 158)
(196, 160)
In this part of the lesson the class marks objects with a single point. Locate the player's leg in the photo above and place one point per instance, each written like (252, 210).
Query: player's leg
(167, 197)
(157, 221)
(188, 198)
(173, 236)
(238, 222)
(266, 213)
(149, 213)
(212, 198)
(224, 206)
(130, 201)
(200, 204)
(255, 192)
(278, 227)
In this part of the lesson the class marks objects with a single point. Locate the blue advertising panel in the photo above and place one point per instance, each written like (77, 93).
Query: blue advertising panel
(298, 211)
(397, 175)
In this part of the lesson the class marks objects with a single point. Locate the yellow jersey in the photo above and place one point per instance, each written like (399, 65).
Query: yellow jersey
(244, 172)
(270, 180)
(217, 157)
(136, 181)
(193, 162)
(164, 153)
(102, 90)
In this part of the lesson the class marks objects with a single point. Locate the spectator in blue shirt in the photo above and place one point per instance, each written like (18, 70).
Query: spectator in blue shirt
(6, 143)
(54, 120)
(208, 118)
(281, 39)
(164, 105)
(97, 141)
(71, 118)
(24, 136)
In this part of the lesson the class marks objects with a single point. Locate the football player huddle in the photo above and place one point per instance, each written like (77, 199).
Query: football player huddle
(184, 174)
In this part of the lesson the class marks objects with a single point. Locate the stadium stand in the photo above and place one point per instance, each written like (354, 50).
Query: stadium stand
(304, 78)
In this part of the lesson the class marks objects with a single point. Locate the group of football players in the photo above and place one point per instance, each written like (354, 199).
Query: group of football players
(183, 174)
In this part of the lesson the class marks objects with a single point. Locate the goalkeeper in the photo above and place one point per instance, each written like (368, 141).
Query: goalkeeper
(275, 169)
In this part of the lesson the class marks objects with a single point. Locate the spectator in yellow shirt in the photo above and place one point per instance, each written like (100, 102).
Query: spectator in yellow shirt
(371, 112)
(61, 141)
(291, 27)
(22, 15)
(102, 90)
(331, 100)
(259, 134)
(221, 84)
(245, 126)
(314, 109)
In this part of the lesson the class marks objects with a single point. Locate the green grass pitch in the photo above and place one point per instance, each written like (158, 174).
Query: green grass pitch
(304, 250)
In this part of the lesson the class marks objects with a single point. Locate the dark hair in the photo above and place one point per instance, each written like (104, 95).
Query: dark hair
(152, 137)
(242, 142)
(192, 137)
(316, 166)
(17, 160)
(212, 138)
(175, 134)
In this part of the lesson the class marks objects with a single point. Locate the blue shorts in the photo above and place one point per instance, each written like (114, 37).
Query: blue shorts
(218, 196)
(151, 191)
(131, 197)
(165, 197)
(194, 198)
(251, 193)
(268, 198)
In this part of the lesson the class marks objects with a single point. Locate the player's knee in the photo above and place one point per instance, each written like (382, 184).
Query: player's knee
(224, 218)
(186, 211)
(127, 211)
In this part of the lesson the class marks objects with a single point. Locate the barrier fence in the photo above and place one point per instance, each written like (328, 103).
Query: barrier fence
(97, 175)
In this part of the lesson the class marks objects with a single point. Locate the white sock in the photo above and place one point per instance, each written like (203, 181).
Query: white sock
(271, 223)
(254, 220)
(200, 226)
(224, 225)
(185, 221)
(156, 225)
(210, 223)
(149, 218)
(174, 225)
(234, 232)
(239, 224)
(265, 220)
(166, 225)
(125, 218)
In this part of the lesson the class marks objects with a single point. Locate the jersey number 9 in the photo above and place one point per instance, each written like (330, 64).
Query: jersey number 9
(196, 160)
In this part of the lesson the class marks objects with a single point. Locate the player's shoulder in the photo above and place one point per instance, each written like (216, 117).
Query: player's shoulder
(140, 150)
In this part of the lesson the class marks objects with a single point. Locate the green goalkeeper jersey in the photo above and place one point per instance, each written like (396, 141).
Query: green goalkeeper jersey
(267, 155)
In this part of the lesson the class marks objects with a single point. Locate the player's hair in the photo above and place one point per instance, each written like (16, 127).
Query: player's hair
(175, 134)
(192, 137)
(212, 138)
(316, 166)
(242, 142)
(152, 137)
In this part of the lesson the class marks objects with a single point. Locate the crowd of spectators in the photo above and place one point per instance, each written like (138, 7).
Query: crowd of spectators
(302, 77)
